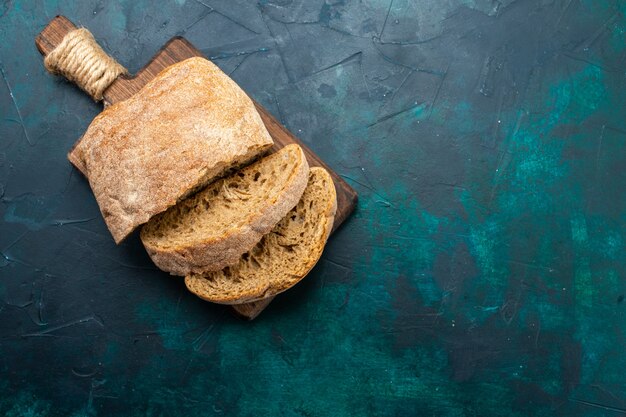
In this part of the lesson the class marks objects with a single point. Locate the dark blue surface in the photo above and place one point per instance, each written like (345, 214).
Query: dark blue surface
(481, 274)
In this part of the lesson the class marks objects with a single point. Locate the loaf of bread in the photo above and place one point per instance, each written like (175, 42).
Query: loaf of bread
(213, 228)
(183, 129)
(283, 257)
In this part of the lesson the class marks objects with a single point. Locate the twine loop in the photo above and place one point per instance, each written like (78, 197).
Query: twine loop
(80, 59)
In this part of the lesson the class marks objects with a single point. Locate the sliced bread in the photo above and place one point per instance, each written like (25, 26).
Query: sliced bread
(283, 257)
(213, 228)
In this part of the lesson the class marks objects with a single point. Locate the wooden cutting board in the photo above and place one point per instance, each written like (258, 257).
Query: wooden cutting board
(176, 50)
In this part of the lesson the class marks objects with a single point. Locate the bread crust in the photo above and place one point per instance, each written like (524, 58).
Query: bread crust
(186, 127)
(214, 254)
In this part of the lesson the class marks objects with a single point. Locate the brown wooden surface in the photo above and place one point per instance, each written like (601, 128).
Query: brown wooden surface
(250, 311)
(176, 50)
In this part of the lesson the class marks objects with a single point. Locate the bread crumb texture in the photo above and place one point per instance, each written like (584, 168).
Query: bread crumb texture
(213, 228)
(283, 257)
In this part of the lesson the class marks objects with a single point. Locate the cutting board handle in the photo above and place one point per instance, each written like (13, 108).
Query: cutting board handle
(74, 53)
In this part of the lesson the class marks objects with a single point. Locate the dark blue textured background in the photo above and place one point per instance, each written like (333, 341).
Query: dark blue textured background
(482, 273)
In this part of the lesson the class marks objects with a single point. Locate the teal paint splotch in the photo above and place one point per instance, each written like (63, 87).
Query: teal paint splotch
(535, 186)
(165, 318)
(403, 242)
(23, 404)
(618, 33)
(532, 169)
(583, 283)
(578, 98)
(530, 185)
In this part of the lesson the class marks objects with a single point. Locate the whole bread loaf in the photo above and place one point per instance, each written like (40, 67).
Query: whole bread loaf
(213, 228)
(283, 257)
(183, 129)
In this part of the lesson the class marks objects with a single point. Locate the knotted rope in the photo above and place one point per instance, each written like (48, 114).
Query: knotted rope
(80, 59)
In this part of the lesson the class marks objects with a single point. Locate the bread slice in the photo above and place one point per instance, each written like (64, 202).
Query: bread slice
(183, 129)
(213, 228)
(283, 257)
